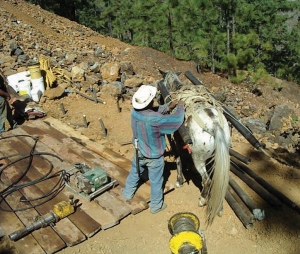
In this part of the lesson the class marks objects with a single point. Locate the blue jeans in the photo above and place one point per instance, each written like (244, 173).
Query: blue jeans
(155, 172)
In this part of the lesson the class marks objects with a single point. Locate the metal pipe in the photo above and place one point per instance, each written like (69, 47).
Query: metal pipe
(257, 212)
(238, 211)
(44, 221)
(241, 204)
(284, 199)
(239, 156)
(269, 198)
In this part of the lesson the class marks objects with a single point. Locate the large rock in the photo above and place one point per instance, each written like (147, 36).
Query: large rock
(54, 93)
(77, 74)
(113, 89)
(281, 118)
(110, 71)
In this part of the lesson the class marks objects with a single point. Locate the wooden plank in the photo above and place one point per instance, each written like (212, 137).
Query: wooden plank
(93, 146)
(115, 206)
(82, 220)
(11, 223)
(136, 205)
(103, 217)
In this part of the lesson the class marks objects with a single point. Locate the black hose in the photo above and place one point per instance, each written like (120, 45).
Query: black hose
(12, 187)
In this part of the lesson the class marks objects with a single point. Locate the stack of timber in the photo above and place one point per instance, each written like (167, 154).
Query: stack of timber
(58, 147)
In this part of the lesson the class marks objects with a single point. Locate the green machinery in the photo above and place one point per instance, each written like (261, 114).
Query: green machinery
(88, 182)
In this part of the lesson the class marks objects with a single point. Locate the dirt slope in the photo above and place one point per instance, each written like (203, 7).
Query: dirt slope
(278, 233)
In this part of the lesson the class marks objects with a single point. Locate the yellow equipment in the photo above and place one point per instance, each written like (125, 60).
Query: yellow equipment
(60, 211)
(48, 75)
(184, 228)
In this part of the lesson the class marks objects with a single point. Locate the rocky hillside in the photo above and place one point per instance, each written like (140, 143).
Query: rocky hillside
(86, 64)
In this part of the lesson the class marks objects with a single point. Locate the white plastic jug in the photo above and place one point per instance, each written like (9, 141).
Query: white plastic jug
(24, 87)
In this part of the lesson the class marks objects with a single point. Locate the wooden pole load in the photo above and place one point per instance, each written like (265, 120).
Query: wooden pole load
(284, 199)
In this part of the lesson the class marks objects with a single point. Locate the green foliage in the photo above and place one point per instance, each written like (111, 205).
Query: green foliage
(239, 78)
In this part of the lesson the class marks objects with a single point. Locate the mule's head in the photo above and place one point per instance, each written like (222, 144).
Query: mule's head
(171, 80)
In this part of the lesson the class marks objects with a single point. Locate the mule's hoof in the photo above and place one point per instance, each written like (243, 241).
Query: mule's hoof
(220, 213)
(178, 185)
(202, 202)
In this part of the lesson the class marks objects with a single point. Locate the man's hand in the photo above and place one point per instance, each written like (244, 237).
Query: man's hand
(174, 103)
(181, 103)
(8, 96)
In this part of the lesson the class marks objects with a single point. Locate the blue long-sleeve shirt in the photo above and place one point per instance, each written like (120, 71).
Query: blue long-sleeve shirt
(150, 126)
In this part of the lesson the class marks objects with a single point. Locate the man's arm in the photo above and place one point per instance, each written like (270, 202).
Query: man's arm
(5, 95)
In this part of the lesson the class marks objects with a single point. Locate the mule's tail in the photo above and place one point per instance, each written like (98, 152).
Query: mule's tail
(220, 174)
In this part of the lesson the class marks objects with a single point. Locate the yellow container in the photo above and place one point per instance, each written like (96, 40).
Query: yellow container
(35, 71)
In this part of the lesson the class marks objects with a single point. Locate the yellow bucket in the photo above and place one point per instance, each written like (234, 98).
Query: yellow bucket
(35, 72)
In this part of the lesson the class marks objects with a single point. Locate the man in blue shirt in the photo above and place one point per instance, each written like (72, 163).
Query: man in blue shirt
(149, 126)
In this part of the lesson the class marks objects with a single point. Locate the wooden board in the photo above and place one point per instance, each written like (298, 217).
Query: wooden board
(57, 150)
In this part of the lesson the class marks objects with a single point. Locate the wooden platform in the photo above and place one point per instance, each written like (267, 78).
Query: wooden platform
(59, 147)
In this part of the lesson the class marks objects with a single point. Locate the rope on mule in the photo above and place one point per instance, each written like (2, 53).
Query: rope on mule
(196, 97)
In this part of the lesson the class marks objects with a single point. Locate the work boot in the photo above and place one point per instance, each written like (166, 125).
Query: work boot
(164, 206)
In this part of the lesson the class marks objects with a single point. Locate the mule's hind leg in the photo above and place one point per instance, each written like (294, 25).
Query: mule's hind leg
(205, 190)
(179, 181)
(176, 143)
